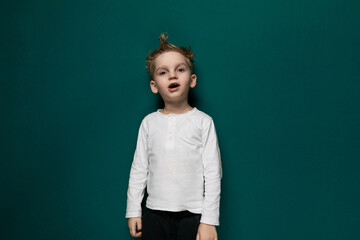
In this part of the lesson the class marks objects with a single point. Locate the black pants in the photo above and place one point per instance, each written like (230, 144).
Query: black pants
(163, 225)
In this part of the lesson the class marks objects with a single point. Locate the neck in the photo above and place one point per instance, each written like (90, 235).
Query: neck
(176, 108)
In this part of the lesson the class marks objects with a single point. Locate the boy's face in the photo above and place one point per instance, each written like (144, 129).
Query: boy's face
(172, 77)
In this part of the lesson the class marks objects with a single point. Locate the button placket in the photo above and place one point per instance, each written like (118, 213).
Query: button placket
(171, 133)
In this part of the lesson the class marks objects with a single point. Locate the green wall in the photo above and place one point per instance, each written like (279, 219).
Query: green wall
(280, 78)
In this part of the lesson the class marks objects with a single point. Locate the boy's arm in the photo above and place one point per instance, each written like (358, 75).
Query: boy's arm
(138, 174)
(212, 175)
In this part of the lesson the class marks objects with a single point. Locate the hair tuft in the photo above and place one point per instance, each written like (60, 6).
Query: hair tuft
(165, 46)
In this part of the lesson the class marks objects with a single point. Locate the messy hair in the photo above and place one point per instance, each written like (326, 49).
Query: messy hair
(167, 47)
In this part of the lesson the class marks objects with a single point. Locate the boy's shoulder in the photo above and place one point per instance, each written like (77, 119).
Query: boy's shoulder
(150, 115)
(204, 116)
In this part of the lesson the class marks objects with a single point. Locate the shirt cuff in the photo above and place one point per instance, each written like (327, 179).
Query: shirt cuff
(210, 220)
(133, 214)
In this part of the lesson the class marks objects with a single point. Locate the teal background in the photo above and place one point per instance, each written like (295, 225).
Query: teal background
(280, 79)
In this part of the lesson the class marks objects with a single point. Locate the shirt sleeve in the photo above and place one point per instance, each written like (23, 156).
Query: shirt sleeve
(212, 175)
(138, 174)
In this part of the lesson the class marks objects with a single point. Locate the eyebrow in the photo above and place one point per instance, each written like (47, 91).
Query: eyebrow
(166, 67)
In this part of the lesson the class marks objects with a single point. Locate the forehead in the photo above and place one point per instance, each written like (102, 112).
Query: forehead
(169, 59)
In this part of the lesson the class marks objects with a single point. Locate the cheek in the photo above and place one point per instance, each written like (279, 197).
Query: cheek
(187, 81)
(163, 86)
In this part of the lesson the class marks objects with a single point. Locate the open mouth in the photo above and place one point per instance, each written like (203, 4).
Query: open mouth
(173, 86)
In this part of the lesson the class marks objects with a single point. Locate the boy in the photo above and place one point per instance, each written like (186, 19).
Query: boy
(177, 157)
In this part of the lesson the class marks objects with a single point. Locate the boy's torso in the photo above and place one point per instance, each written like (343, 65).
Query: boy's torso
(174, 144)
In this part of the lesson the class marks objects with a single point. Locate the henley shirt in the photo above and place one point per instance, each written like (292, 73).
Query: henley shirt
(177, 158)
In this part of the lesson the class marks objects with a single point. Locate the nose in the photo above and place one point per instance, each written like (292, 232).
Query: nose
(172, 75)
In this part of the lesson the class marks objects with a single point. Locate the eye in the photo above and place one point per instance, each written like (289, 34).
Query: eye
(162, 73)
(181, 69)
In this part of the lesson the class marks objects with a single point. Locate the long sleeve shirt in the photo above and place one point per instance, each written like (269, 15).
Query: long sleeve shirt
(177, 158)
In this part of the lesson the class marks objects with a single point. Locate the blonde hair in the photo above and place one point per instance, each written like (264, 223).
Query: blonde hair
(167, 47)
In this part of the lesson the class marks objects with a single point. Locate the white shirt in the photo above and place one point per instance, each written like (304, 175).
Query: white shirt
(178, 158)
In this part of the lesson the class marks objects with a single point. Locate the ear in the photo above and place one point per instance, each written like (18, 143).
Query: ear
(153, 87)
(193, 80)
